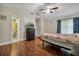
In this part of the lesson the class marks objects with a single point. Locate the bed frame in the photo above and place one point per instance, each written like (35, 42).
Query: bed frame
(44, 41)
(57, 45)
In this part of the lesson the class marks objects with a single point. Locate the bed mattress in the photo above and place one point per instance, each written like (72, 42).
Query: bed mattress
(61, 37)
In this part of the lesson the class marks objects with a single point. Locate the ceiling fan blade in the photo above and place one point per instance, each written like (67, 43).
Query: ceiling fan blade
(54, 8)
(51, 11)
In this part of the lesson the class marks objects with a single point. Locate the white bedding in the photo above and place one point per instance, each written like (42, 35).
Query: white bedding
(61, 37)
(61, 40)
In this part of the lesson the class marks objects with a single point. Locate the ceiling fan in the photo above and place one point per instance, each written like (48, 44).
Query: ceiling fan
(48, 8)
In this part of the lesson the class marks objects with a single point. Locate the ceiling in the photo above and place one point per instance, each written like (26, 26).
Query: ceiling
(65, 9)
(26, 6)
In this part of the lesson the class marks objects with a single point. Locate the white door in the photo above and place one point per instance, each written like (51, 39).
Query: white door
(38, 27)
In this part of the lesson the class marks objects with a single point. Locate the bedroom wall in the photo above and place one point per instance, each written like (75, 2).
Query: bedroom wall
(5, 26)
(49, 24)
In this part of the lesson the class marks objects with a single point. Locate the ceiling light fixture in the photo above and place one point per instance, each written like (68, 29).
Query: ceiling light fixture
(50, 9)
(47, 8)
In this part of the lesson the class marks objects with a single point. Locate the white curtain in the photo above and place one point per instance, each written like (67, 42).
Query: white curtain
(67, 26)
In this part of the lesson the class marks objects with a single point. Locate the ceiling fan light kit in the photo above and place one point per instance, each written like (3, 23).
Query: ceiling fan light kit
(50, 9)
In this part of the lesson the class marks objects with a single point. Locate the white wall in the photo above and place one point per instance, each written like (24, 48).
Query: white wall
(5, 30)
(48, 27)
(48, 24)
(5, 26)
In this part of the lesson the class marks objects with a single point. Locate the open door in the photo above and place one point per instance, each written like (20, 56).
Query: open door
(15, 29)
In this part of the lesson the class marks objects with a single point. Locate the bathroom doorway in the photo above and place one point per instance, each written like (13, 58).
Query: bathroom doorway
(15, 29)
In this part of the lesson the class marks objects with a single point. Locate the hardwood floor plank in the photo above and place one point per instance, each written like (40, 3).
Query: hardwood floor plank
(29, 48)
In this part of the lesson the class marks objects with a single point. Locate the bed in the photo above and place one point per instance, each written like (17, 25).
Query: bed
(67, 41)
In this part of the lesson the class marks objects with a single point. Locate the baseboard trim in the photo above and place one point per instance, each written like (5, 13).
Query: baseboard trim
(1, 44)
(5, 43)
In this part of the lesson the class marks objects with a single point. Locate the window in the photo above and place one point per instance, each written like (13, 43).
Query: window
(68, 26)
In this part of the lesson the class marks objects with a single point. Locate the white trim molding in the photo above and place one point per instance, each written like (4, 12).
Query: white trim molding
(5, 43)
(11, 42)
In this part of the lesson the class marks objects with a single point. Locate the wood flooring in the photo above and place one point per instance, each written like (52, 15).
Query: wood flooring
(29, 48)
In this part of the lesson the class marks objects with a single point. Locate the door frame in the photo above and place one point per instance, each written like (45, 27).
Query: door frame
(11, 29)
(38, 20)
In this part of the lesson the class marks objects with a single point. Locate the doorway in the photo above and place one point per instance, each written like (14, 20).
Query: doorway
(38, 26)
(15, 29)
